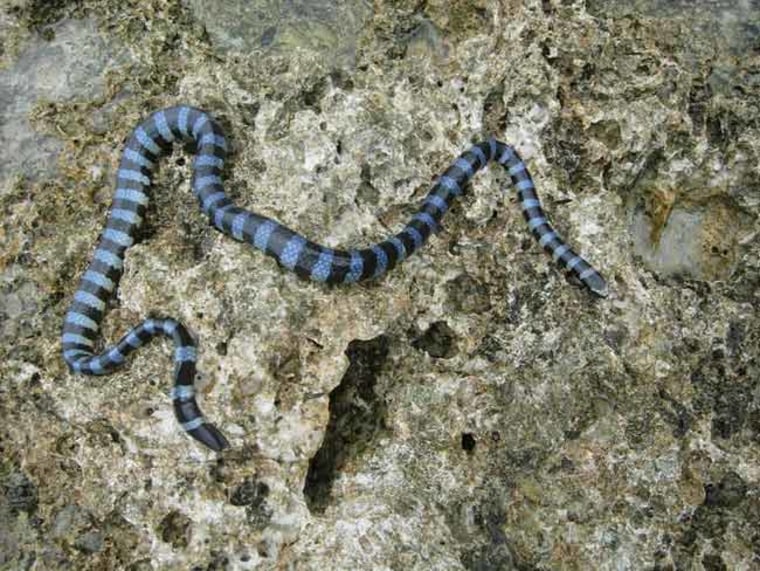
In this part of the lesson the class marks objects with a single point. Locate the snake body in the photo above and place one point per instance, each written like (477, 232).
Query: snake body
(154, 138)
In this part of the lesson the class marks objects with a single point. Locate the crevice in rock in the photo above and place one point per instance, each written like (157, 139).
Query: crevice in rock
(357, 416)
(468, 442)
(439, 341)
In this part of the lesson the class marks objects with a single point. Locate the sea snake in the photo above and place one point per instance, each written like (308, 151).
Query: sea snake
(152, 139)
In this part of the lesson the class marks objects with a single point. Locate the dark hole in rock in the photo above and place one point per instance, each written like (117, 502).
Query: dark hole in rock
(468, 442)
(252, 495)
(357, 416)
(249, 493)
(175, 529)
(438, 341)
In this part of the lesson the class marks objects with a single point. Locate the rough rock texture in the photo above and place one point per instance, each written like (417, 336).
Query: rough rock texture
(473, 410)
(72, 63)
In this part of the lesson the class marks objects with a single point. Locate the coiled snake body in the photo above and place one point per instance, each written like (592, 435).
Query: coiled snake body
(152, 139)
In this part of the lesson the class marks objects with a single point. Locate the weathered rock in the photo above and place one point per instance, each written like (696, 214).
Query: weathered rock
(473, 409)
(69, 63)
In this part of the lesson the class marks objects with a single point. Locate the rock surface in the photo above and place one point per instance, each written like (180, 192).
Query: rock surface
(473, 410)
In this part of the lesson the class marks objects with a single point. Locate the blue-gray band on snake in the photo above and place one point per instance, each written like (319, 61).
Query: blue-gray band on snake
(152, 139)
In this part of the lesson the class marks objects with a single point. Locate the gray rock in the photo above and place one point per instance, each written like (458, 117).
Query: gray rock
(330, 29)
(71, 65)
